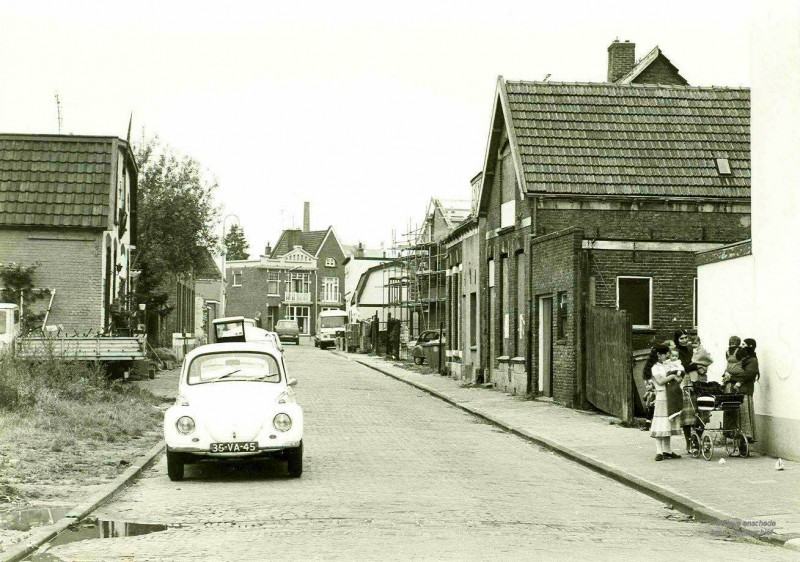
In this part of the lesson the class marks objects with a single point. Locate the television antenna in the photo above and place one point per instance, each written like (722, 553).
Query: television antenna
(58, 112)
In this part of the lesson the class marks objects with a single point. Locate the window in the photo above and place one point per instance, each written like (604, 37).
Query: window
(330, 289)
(299, 283)
(634, 295)
(237, 278)
(301, 315)
(473, 319)
(723, 167)
(561, 319)
(395, 290)
(273, 282)
(330, 262)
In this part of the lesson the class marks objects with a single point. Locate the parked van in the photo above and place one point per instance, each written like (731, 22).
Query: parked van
(330, 325)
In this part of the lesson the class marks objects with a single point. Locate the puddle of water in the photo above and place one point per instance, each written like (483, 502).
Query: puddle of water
(24, 519)
(94, 528)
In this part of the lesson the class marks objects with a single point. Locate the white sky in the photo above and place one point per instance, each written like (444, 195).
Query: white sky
(364, 110)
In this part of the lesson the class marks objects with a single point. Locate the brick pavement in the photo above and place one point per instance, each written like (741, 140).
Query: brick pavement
(739, 489)
(392, 473)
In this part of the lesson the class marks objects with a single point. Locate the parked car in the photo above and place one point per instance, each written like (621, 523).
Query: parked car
(429, 337)
(288, 330)
(234, 402)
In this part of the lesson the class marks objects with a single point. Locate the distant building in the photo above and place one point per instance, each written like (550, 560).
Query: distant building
(68, 205)
(300, 277)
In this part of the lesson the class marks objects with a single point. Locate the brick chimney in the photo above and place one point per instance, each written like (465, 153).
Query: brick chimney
(306, 216)
(621, 58)
(268, 250)
(360, 250)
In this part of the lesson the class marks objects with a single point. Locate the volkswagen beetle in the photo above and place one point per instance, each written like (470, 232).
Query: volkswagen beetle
(234, 401)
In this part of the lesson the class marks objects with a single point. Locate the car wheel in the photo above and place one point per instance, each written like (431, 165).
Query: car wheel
(418, 360)
(174, 466)
(295, 458)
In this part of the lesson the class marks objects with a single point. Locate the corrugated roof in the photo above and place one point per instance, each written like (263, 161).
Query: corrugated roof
(55, 180)
(609, 139)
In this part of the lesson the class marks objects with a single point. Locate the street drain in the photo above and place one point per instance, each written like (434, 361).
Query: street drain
(94, 528)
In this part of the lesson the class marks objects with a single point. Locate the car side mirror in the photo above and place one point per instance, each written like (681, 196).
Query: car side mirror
(291, 382)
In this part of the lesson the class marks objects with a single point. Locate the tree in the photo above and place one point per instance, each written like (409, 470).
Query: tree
(236, 247)
(176, 220)
(17, 283)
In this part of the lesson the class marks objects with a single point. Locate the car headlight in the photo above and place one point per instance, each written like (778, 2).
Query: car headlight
(282, 422)
(185, 425)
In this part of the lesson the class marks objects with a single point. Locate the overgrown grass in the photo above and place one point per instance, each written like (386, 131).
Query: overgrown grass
(55, 394)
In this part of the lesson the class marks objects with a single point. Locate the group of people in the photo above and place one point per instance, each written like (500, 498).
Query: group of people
(673, 366)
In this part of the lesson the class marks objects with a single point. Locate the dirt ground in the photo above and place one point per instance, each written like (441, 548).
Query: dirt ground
(45, 472)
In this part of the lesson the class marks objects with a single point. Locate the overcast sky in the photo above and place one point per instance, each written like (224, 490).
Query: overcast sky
(366, 111)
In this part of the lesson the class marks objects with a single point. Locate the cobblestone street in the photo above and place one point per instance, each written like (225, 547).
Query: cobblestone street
(393, 473)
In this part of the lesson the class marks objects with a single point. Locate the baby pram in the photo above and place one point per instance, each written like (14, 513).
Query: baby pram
(711, 397)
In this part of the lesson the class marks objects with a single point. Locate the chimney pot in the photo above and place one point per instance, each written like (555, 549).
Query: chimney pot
(621, 59)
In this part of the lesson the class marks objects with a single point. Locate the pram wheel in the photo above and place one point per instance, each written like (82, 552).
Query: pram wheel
(707, 446)
(744, 446)
(694, 445)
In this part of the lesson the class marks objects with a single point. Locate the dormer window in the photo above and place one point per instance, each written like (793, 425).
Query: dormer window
(723, 167)
(330, 262)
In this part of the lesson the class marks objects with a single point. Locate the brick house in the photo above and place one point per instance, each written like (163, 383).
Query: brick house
(463, 315)
(68, 204)
(599, 194)
(302, 276)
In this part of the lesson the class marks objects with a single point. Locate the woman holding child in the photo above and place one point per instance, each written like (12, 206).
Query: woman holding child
(661, 372)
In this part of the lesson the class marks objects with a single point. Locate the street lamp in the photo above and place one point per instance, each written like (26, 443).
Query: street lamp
(224, 253)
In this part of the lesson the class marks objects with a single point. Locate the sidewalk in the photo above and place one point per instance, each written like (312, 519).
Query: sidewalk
(745, 495)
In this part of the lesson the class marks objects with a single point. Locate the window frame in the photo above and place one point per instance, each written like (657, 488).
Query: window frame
(649, 325)
(330, 262)
(234, 282)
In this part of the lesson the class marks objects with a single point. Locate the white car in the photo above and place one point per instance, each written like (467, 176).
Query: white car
(234, 402)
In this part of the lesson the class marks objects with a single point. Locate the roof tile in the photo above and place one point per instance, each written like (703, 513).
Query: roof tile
(52, 180)
(631, 139)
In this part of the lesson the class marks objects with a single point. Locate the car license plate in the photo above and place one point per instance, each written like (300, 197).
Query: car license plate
(250, 447)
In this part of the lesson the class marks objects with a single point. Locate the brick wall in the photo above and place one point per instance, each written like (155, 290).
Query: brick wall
(556, 268)
(673, 276)
(251, 297)
(71, 262)
(649, 225)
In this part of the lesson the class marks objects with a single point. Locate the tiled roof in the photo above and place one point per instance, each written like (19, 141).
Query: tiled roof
(310, 241)
(609, 139)
(55, 180)
(207, 269)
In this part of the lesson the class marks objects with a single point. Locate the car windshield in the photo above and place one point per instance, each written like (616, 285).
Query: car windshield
(229, 329)
(232, 366)
(332, 321)
(286, 324)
